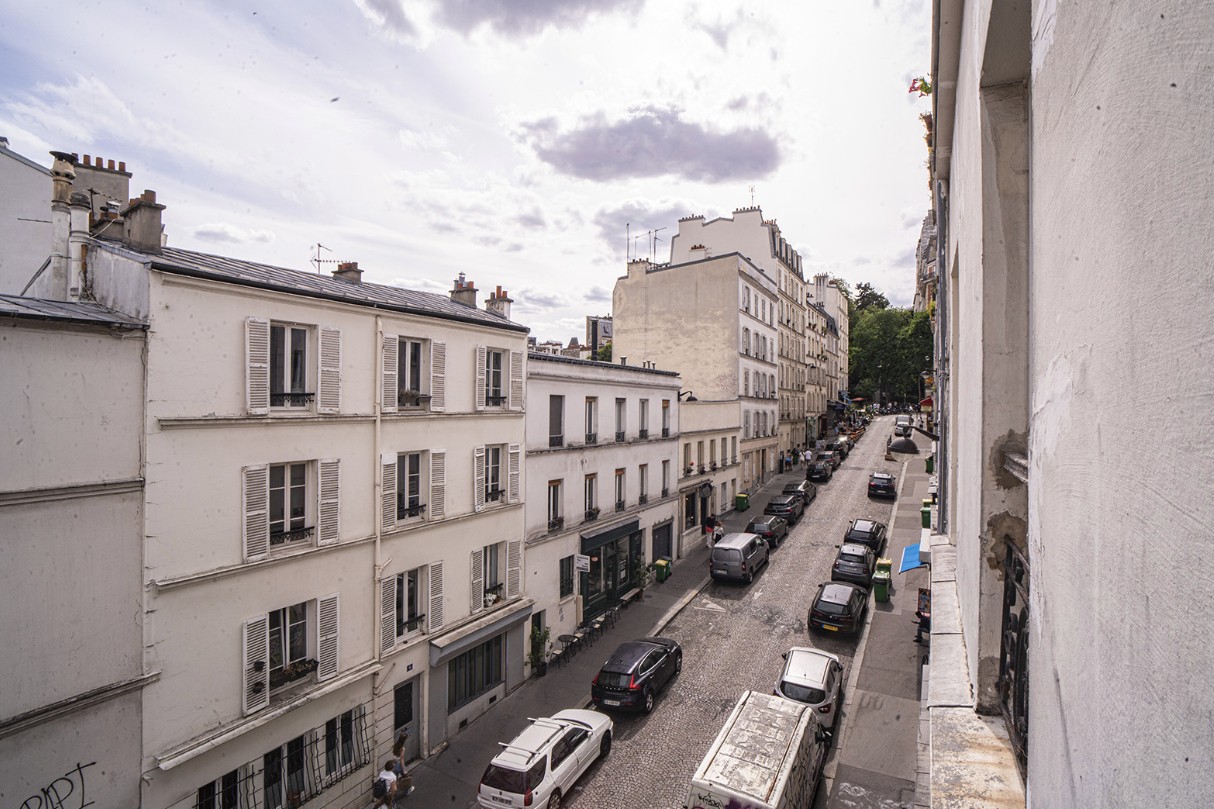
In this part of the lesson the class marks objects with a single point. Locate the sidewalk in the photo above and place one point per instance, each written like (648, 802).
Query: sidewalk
(450, 778)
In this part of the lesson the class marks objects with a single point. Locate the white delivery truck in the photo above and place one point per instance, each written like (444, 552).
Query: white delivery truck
(769, 755)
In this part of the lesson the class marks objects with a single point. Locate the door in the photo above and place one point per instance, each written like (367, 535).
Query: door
(404, 717)
(662, 542)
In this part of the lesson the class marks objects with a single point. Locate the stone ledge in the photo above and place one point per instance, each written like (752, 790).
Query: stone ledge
(973, 765)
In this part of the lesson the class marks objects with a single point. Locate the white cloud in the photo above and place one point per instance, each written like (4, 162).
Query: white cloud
(224, 233)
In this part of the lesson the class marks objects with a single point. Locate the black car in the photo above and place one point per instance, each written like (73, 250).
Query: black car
(830, 457)
(819, 470)
(867, 532)
(855, 563)
(882, 484)
(838, 446)
(771, 528)
(838, 607)
(805, 490)
(787, 506)
(635, 672)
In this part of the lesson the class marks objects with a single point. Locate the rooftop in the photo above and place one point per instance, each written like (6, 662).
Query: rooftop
(65, 311)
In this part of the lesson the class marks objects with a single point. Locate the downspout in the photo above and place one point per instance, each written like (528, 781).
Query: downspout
(377, 498)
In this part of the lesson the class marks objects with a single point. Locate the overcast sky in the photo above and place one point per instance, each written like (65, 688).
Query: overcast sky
(512, 140)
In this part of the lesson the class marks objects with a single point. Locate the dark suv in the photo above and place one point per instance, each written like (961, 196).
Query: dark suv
(805, 491)
(855, 563)
(839, 607)
(819, 470)
(635, 672)
(787, 506)
(867, 532)
(882, 484)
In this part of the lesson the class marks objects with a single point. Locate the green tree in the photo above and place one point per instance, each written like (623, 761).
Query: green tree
(890, 347)
(869, 298)
(604, 354)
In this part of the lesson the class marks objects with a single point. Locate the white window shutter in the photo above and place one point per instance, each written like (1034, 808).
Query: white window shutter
(478, 479)
(387, 614)
(390, 386)
(514, 567)
(481, 373)
(256, 506)
(388, 493)
(327, 621)
(329, 524)
(329, 399)
(435, 618)
(438, 484)
(257, 366)
(438, 376)
(515, 454)
(478, 579)
(516, 380)
(256, 680)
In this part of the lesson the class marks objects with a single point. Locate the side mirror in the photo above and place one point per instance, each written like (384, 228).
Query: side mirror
(785, 655)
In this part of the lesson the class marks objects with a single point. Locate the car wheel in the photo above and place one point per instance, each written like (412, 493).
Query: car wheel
(555, 801)
(678, 663)
(605, 745)
(750, 576)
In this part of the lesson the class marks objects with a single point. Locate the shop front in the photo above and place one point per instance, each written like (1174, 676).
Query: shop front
(614, 554)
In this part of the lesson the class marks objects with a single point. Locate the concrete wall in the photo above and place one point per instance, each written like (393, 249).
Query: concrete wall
(25, 213)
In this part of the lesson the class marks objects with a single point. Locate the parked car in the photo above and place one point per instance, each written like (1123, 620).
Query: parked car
(819, 469)
(838, 607)
(814, 677)
(830, 457)
(839, 445)
(855, 563)
(882, 484)
(543, 762)
(635, 672)
(804, 490)
(773, 529)
(867, 532)
(902, 430)
(738, 556)
(785, 505)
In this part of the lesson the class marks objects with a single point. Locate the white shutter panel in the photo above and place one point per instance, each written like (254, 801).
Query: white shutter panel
(514, 567)
(478, 579)
(256, 680)
(516, 380)
(327, 619)
(388, 496)
(513, 490)
(257, 366)
(330, 511)
(329, 400)
(390, 386)
(387, 615)
(438, 484)
(438, 376)
(256, 505)
(480, 378)
(435, 618)
(478, 479)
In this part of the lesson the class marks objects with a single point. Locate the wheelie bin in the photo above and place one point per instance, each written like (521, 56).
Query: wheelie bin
(742, 502)
(881, 579)
(662, 569)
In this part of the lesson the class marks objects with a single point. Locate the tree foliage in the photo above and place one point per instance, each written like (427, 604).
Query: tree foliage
(869, 298)
(890, 347)
(604, 353)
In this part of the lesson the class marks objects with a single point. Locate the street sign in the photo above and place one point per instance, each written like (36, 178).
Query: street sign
(581, 563)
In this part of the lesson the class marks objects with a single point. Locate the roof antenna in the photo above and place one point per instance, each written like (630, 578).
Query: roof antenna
(752, 196)
(317, 261)
(628, 240)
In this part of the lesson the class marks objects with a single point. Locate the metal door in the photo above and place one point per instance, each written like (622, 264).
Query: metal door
(405, 712)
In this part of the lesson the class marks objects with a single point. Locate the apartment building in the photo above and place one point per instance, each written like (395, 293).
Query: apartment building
(827, 297)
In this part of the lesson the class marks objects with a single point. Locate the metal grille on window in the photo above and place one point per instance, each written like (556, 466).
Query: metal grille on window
(1013, 682)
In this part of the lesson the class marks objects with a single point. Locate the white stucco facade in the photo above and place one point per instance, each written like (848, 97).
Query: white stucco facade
(25, 219)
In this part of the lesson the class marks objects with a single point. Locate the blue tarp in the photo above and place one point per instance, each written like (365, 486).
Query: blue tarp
(910, 558)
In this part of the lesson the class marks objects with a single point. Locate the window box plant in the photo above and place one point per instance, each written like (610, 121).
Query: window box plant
(291, 672)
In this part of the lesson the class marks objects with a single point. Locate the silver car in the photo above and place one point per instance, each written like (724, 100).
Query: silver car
(814, 677)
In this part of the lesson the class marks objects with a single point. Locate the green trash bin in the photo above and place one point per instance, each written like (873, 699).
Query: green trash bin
(931, 464)
(881, 585)
(742, 502)
(926, 514)
(662, 568)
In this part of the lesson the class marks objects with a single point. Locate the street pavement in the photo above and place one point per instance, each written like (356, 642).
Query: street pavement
(732, 636)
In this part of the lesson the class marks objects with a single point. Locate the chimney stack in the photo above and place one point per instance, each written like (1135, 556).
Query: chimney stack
(142, 228)
(348, 271)
(464, 292)
(499, 303)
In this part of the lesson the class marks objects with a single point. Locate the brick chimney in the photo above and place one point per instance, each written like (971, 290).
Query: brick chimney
(348, 271)
(142, 228)
(464, 292)
(499, 303)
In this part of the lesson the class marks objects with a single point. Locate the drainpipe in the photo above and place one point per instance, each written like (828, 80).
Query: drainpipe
(377, 498)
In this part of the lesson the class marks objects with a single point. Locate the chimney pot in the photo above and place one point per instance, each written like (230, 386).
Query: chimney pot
(121, 166)
(110, 165)
(348, 271)
(464, 292)
(97, 162)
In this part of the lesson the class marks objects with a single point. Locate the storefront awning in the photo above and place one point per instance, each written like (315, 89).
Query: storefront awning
(592, 541)
(449, 644)
(910, 558)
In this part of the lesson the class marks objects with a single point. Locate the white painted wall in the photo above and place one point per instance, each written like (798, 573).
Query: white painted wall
(25, 212)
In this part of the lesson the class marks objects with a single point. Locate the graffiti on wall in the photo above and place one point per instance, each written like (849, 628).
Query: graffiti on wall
(65, 792)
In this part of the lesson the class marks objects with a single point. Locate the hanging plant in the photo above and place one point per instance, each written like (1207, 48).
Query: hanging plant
(921, 86)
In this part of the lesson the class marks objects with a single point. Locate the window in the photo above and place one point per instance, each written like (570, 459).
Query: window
(288, 644)
(494, 393)
(746, 342)
(687, 455)
(591, 491)
(411, 372)
(345, 743)
(689, 510)
(222, 793)
(493, 473)
(643, 481)
(665, 478)
(592, 420)
(556, 514)
(475, 672)
(665, 418)
(620, 423)
(746, 424)
(289, 366)
(556, 421)
(699, 453)
(745, 381)
(566, 577)
(409, 600)
(284, 780)
(288, 504)
(619, 490)
(409, 480)
(491, 573)
(643, 418)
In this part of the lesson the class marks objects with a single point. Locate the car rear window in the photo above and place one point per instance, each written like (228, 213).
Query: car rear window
(830, 608)
(514, 781)
(852, 557)
(613, 679)
(802, 693)
(725, 554)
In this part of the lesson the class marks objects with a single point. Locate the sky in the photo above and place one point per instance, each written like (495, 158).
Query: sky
(516, 141)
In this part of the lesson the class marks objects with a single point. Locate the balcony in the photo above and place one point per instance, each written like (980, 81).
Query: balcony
(556, 524)
(405, 509)
(665, 432)
(556, 440)
(643, 499)
(281, 399)
(289, 537)
(493, 593)
(619, 505)
(496, 401)
(412, 399)
(592, 438)
(665, 492)
(414, 623)
(592, 514)
(492, 495)
(619, 436)
(642, 433)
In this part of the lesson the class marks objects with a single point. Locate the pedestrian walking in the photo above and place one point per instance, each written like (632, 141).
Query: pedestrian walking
(404, 781)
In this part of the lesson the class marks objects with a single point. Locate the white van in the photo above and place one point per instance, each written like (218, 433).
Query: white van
(769, 755)
(738, 556)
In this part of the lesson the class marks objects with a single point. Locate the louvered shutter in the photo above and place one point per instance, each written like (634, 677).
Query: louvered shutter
(514, 567)
(516, 380)
(515, 454)
(329, 400)
(478, 479)
(478, 579)
(438, 484)
(327, 620)
(480, 377)
(387, 614)
(435, 617)
(330, 511)
(257, 366)
(256, 504)
(438, 376)
(389, 356)
(256, 691)
(388, 496)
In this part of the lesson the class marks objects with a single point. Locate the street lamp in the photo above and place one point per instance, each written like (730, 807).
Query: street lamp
(691, 396)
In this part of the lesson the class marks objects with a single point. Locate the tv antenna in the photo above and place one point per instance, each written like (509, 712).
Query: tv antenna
(752, 196)
(653, 243)
(317, 260)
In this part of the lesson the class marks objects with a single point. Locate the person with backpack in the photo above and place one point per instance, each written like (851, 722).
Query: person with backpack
(384, 787)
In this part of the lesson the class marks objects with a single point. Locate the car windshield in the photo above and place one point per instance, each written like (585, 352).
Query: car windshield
(802, 693)
(515, 781)
(614, 679)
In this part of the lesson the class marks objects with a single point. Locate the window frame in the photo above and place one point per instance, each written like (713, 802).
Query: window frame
(290, 624)
(474, 673)
(296, 530)
(290, 377)
(556, 510)
(408, 613)
(410, 505)
(495, 394)
(566, 576)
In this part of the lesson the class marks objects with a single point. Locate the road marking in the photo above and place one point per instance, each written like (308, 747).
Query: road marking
(709, 606)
